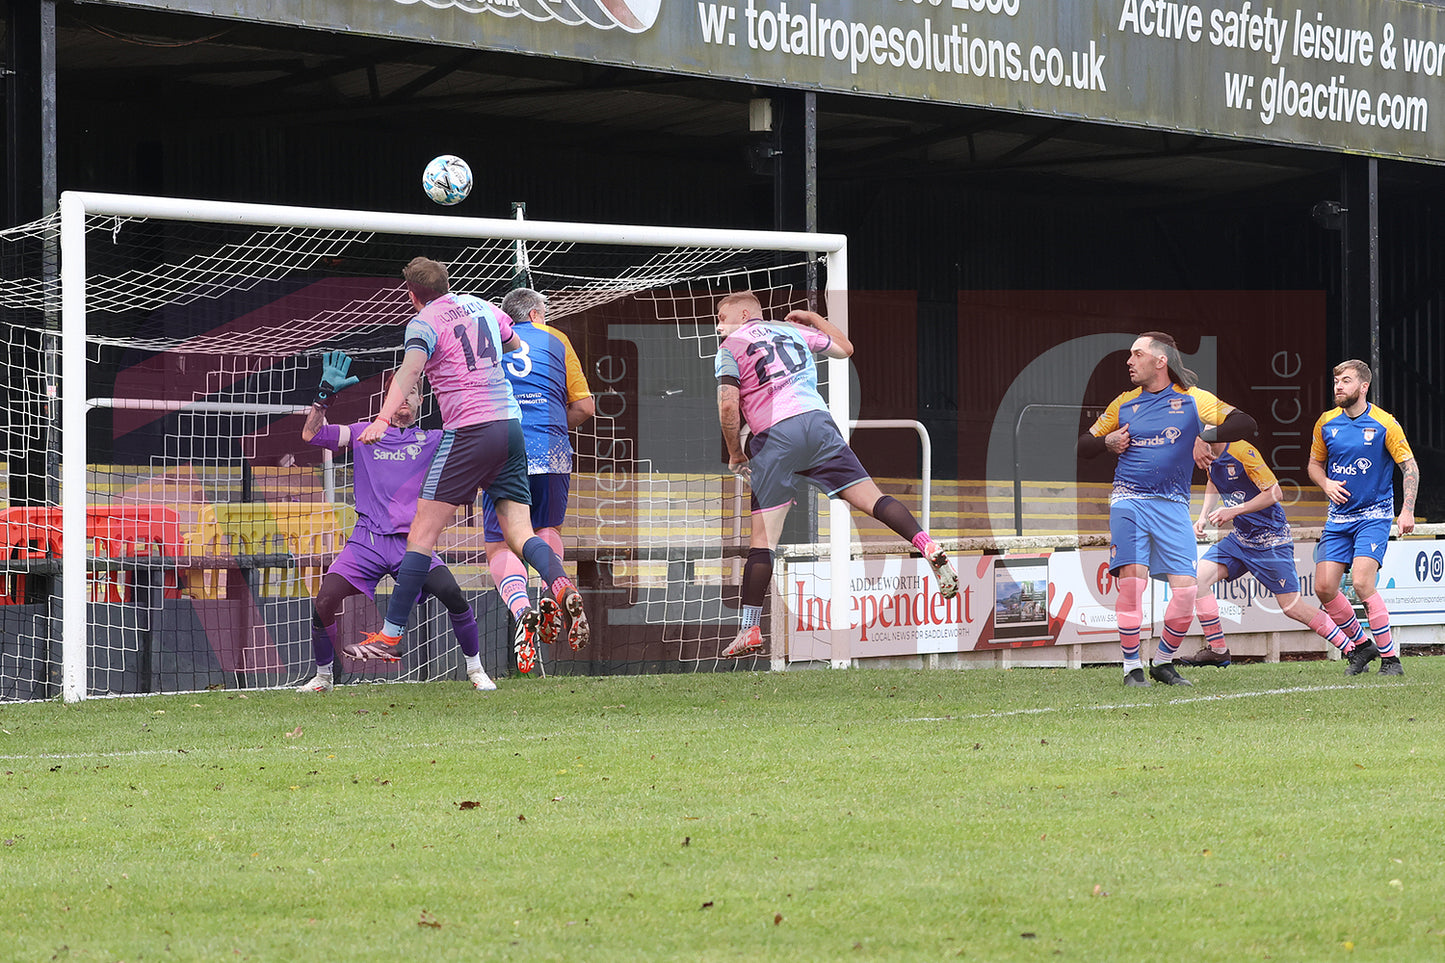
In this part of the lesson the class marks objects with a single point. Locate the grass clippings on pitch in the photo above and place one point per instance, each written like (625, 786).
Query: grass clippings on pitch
(1271, 812)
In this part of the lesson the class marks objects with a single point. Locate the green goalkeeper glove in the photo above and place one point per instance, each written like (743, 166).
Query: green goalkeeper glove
(335, 366)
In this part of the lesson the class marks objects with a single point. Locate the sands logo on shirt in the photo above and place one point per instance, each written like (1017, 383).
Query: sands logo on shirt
(1360, 466)
(408, 453)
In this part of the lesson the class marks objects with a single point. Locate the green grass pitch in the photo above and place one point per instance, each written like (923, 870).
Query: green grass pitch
(1271, 812)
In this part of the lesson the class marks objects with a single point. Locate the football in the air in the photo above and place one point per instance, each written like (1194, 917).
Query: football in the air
(447, 179)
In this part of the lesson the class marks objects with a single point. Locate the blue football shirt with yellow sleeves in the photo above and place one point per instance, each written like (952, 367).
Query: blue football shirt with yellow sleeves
(1357, 452)
(1240, 474)
(546, 377)
(1163, 426)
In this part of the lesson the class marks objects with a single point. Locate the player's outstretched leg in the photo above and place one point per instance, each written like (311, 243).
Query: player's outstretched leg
(893, 513)
(442, 585)
(524, 640)
(1178, 615)
(1129, 615)
(335, 589)
(547, 608)
(1359, 650)
(1214, 651)
(509, 575)
(323, 646)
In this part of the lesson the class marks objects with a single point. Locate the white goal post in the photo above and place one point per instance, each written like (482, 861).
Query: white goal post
(77, 207)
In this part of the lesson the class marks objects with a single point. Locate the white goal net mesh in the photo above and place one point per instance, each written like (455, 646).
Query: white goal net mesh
(210, 522)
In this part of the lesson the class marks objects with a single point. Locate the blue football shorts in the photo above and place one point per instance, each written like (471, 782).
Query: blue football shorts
(1154, 532)
(1343, 543)
(549, 504)
(1272, 566)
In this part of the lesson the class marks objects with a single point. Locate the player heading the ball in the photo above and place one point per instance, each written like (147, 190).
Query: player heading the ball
(767, 376)
(553, 396)
(458, 340)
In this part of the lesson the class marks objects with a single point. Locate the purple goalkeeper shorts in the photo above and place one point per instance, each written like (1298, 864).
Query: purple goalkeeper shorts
(368, 556)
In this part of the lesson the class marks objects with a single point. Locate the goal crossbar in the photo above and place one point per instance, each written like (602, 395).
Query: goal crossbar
(76, 206)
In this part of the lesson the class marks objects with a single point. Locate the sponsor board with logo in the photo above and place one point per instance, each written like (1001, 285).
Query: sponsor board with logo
(1360, 77)
(1412, 582)
(894, 607)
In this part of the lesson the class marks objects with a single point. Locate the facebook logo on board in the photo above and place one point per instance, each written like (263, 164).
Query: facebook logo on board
(1431, 567)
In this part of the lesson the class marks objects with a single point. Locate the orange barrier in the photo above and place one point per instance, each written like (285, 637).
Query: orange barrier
(117, 532)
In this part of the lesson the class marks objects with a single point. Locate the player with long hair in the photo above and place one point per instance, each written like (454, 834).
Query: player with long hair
(553, 396)
(1160, 429)
(1244, 493)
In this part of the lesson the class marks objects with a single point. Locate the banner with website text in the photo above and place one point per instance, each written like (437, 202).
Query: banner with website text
(1061, 598)
(1361, 76)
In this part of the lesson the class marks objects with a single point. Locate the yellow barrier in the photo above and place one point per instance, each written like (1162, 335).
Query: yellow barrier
(288, 544)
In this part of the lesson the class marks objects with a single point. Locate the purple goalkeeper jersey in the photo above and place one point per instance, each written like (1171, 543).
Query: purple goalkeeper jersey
(463, 336)
(772, 364)
(387, 476)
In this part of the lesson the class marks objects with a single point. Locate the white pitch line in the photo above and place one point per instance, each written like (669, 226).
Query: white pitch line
(534, 736)
(1216, 697)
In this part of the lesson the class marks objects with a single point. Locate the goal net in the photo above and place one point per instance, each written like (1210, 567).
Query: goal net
(161, 357)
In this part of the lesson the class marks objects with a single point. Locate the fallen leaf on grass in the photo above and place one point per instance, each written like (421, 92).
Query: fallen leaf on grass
(707, 905)
(1099, 890)
(777, 918)
(294, 733)
(521, 818)
(468, 804)
(429, 920)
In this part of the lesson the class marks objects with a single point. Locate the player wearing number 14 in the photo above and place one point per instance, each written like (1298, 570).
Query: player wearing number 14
(458, 340)
(766, 374)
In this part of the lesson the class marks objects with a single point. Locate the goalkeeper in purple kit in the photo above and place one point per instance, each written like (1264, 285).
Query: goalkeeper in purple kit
(387, 477)
(767, 376)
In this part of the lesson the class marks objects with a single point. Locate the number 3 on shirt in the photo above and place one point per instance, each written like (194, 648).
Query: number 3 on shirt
(519, 361)
(484, 342)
